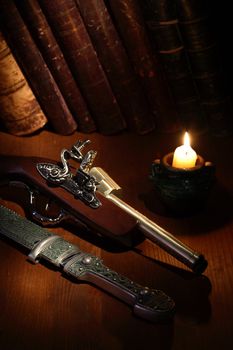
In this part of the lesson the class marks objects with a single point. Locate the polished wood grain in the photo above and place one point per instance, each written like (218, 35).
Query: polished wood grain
(109, 218)
(41, 309)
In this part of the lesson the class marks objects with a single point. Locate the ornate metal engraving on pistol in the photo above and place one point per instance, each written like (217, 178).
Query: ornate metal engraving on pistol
(81, 184)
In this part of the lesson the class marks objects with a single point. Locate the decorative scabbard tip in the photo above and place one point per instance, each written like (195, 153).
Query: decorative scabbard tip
(154, 305)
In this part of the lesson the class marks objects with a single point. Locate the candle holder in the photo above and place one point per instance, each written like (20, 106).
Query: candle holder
(182, 190)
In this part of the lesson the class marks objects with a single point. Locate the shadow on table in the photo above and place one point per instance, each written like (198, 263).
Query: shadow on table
(216, 212)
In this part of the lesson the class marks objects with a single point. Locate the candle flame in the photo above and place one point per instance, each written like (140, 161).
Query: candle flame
(186, 139)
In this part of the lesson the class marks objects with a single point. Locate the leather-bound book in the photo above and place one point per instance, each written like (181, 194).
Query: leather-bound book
(20, 112)
(129, 22)
(70, 31)
(200, 41)
(163, 26)
(113, 57)
(53, 56)
(35, 69)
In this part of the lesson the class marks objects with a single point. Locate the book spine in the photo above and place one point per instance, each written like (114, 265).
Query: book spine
(67, 24)
(35, 69)
(130, 24)
(20, 112)
(115, 62)
(162, 22)
(43, 36)
(200, 42)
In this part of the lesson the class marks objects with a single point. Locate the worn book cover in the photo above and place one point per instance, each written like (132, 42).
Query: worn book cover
(129, 21)
(54, 58)
(73, 38)
(113, 57)
(196, 25)
(20, 112)
(164, 30)
(35, 69)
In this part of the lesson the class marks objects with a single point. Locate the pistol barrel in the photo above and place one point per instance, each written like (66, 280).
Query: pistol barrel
(150, 229)
(163, 238)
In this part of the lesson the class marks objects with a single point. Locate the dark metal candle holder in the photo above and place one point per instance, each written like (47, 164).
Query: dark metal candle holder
(182, 190)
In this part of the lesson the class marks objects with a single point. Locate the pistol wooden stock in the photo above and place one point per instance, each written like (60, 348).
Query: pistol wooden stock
(108, 219)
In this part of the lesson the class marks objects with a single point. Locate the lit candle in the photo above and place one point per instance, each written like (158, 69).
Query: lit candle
(184, 156)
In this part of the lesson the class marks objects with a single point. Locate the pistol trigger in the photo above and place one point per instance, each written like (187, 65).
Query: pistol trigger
(45, 220)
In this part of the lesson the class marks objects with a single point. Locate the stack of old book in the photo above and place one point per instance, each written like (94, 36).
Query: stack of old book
(90, 66)
(183, 34)
(86, 65)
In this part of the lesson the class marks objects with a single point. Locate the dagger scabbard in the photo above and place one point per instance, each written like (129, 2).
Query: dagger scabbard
(150, 304)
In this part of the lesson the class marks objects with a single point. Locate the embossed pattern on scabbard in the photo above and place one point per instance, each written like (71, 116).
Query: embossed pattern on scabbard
(151, 299)
(20, 229)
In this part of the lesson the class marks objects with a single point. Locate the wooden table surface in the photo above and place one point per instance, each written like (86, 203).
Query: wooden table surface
(40, 309)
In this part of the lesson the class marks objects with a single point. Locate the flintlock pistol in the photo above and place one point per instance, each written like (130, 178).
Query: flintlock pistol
(88, 195)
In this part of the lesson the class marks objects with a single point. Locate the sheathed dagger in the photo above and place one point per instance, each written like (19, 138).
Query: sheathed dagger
(150, 304)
